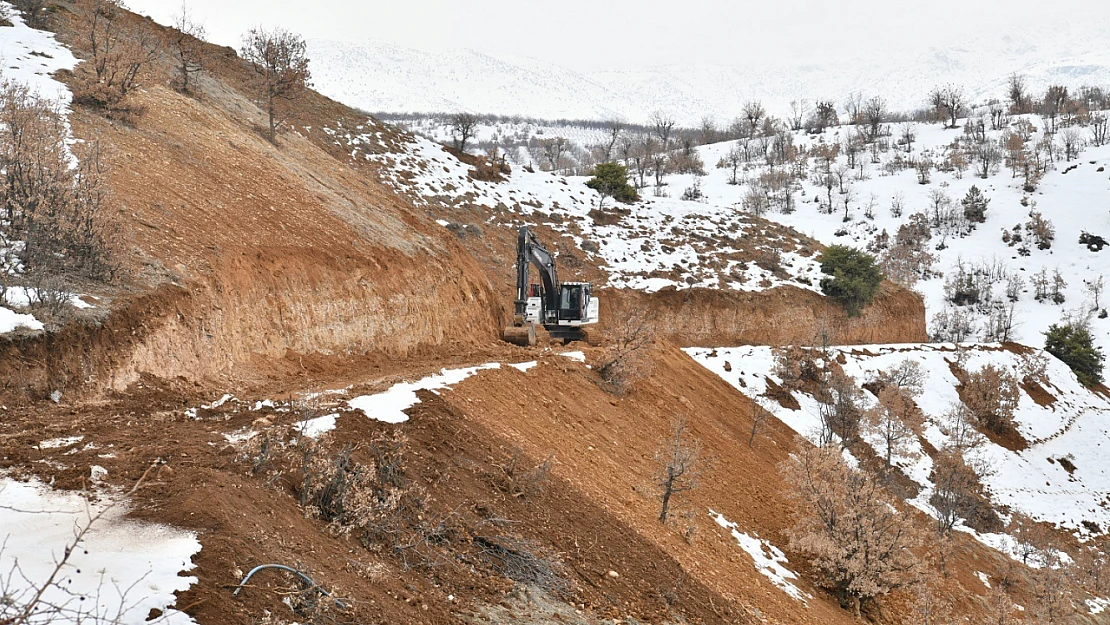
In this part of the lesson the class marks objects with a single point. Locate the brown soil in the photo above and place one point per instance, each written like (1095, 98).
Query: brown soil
(270, 270)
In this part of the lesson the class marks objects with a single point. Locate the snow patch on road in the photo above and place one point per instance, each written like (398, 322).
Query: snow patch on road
(122, 567)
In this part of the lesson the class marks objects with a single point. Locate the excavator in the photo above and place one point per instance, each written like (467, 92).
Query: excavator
(562, 309)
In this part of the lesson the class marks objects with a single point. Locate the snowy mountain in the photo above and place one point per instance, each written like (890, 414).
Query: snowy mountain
(382, 77)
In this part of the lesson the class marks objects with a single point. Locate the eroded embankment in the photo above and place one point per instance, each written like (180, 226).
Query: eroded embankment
(272, 251)
(780, 316)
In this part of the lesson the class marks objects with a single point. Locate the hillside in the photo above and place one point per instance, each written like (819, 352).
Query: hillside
(380, 77)
(298, 364)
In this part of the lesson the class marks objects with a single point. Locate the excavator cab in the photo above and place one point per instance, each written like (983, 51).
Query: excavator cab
(574, 300)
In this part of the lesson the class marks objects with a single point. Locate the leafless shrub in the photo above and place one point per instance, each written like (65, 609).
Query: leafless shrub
(679, 467)
(59, 211)
(120, 50)
(848, 526)
(520, 478)
(524, 561)
(992, 394)
(894, 420)
(959, 494)
(625, 360)
(796, 366)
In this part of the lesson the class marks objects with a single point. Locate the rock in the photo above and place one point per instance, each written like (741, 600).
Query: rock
(614, 574)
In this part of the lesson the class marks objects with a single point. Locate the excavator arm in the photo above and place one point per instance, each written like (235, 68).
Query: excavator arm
(530, 252)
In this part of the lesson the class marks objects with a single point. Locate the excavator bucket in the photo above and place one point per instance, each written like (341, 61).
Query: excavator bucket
(525, 335)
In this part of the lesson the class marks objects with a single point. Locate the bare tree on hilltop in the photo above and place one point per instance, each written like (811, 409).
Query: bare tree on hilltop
(280, 62)
(188, 47)
(753, 115)
(463, 127)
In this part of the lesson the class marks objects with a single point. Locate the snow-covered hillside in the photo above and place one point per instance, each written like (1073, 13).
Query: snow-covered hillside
(651, 245)
(1068, 422)
(383, 77)
(667, 241)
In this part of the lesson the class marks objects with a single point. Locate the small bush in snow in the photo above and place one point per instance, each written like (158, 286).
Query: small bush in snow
(1072, 344)
(991, 394)
(611, 180)
(854, 277)
(975, 205)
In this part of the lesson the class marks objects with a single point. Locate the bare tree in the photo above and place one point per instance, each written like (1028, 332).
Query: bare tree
(707, 131)
(958, 492)
(874, 114)
(1071, 139)
(188, 47)
(1098, 129)
(1019, 95)
(824, 116)
(988, 156)
(848, 526)
(614, 129)
(948, 101)
(1055, 103)
(663, 127)
(992, 395)
(799, 109)
(554, 150)
(679, 467)
(894, 420)
(624, 360)
(463, 127)
(119, 52)
(280, 63)
(753, 115)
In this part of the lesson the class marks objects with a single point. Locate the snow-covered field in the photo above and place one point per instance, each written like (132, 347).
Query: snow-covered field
(667, 241)
(1074, 427)
(122, 569)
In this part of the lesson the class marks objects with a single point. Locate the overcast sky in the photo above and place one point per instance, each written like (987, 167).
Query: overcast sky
(601, 34)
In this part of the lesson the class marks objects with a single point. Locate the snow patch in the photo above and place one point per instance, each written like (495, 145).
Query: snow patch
(317, 427)
(768, 559)
(389, 406)
(123, 567)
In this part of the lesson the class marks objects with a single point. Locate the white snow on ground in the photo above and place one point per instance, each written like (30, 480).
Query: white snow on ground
(58, 443)
(577, 355)
(123, 567)
(390, 405)
(11, 321)
(525, 366)
(318, 426)
(768, 559)
(660, 242)
(983, 577)
(30, 56)
(21, 296)
(1076, 426)
(1097, 605)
